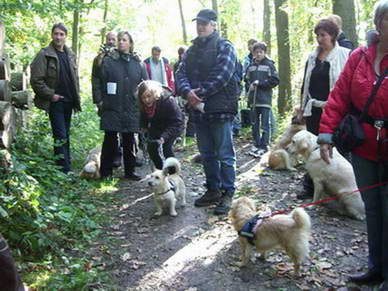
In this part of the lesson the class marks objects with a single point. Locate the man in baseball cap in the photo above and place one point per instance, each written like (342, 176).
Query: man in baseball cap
(206, 15)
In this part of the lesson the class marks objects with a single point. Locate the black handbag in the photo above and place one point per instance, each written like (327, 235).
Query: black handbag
(350, 133)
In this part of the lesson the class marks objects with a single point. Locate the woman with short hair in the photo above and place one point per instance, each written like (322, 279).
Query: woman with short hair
(117, 79)
(350, 94)
(161, 118)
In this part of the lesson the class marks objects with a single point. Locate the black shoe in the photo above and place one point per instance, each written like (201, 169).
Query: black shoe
(384, 286)
(132, 177)
(223, 206)
(369, 277)
(209, 198)
(306, 194)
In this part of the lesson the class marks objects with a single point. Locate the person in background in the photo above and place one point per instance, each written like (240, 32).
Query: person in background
(160, 118)
(370, 160)
(341, 38)
(54, 79)
(120, 73)
(206, 77)
(323, 67)
(262, 77)
(158, 69)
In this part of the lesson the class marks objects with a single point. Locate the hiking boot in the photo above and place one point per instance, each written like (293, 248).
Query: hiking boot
(209, 198)
(370, 277)
(132, 177)
(223, 206)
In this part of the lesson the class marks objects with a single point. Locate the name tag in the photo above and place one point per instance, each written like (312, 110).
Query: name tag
(111, 88)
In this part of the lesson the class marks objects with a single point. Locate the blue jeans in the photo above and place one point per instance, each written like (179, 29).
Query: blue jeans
(215, 143)
(376, 207)
(60, 118)
(261, 117)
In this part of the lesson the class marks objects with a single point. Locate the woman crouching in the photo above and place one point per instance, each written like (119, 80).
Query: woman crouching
(161, 118)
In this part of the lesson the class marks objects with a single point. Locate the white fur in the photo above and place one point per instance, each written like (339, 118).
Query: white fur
(160, 183)
(336, 178)
(91, 169)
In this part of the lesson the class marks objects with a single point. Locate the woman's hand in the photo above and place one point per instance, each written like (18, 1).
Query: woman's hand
(326, 151)
(56, 98)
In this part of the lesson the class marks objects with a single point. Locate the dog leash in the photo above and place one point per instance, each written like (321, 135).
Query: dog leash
(330, 198)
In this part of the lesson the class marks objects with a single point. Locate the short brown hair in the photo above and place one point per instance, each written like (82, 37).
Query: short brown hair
(328, 26)
(259, 45)
(149, 85)
(252, 41)
(123, 32)
(60, 26)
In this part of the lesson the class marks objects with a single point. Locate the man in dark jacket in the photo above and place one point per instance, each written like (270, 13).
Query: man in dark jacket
(261, 77)
(341, 38)
(115, 85)
(54, 79)
(206, 77)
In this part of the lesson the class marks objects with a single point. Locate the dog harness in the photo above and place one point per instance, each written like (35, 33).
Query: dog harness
(250, 227)
(172, 188)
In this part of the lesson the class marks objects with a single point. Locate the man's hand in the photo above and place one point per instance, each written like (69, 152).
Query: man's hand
(326, 151)
(192, 97)
(56, 97)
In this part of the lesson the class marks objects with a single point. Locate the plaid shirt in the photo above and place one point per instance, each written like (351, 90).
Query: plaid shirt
(218, 77)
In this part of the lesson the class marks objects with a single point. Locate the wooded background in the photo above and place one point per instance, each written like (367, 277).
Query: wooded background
(286, 25)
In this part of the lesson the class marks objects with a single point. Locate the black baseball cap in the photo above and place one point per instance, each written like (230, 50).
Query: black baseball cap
(206, 15)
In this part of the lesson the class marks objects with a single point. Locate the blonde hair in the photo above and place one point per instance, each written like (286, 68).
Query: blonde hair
(155, 88)
(121, 33)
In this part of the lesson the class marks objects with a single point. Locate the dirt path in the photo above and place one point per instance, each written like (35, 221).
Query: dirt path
(199, 251)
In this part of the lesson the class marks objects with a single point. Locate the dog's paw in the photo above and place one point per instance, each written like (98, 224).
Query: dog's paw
(173, 213)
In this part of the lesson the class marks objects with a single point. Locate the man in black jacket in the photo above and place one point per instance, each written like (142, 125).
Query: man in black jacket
(341, 39)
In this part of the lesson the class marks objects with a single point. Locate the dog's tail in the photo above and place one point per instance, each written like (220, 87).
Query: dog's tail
(172, 166)
(301, 218)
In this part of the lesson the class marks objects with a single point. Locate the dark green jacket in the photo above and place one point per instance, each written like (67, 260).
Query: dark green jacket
(45, 75)
(119, 111)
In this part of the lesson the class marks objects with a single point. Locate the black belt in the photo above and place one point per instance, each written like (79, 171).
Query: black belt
(383, 122)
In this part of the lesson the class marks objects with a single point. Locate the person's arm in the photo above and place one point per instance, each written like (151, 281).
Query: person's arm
(182, 81)
(38, 76)
(175, 120)
(144, 75)
(96, 81)
(222, 72)
(272, 80)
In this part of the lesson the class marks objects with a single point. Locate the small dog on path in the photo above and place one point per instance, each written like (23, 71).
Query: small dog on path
(288, 232)
(168, 186)
(91, 169)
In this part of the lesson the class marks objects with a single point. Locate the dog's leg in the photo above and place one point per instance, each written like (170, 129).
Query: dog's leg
(245, 252)
(183, 197)
(318, 190)
(172, 207)
(159, 209)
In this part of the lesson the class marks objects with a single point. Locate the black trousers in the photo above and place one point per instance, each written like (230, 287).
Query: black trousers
(110, 148)
(155, 154)
(60, 119)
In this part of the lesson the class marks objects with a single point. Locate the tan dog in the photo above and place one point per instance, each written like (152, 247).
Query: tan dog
(168, 186)
(336, 178)
(289, 232)
(91, 169)
(279, 158)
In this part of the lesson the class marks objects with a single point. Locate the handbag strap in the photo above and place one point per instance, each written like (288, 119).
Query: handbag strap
(373, 94)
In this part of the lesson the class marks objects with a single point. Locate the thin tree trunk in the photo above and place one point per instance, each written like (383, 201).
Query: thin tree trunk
(215, 6)
(346, 9)
(267, 25)
(281, 17)
(103, 30)
(76, 17)
(183, 22)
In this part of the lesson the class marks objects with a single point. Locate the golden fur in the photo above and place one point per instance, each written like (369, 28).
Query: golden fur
(91, 169)
(289, 232)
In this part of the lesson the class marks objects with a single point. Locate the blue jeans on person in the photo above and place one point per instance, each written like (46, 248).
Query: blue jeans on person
(376, 207)
(60, 118)
(261, 121)
(215, 144)
(236, 125)
(273, 124)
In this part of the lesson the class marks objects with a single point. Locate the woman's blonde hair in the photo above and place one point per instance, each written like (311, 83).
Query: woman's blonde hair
(121, 33)
(154, 87)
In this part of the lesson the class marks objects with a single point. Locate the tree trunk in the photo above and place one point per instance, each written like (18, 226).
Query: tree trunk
(103, 31)
(215, 6)
(5, 68)
(267, 25)
(2, 38)
(281, 17)
(7, 124)
(5, 91)
(18, 81)
(22, 99)
(347, 11)
(183, 22)
(75, 38)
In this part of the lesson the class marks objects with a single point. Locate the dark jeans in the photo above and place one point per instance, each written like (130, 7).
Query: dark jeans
(376, 207)
(110, 148)
(155, 153)
(60, 118)
(261, 123)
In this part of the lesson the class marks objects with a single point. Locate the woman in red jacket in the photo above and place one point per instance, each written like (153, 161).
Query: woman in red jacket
(351, 91)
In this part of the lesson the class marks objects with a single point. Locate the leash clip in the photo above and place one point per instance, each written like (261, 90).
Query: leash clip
(378, 124)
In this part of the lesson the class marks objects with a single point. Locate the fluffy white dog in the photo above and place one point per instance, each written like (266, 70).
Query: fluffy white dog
(288, 232)
(336, 178)
(168, 186)
(91, 169)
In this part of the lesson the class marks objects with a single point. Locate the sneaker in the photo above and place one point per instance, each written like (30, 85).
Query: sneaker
(209, 198)
(223, 206)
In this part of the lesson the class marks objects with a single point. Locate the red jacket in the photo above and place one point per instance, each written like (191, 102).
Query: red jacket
(354, 87)
(168, 70)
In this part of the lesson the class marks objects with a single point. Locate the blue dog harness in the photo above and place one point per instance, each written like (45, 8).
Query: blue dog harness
(249, 229)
